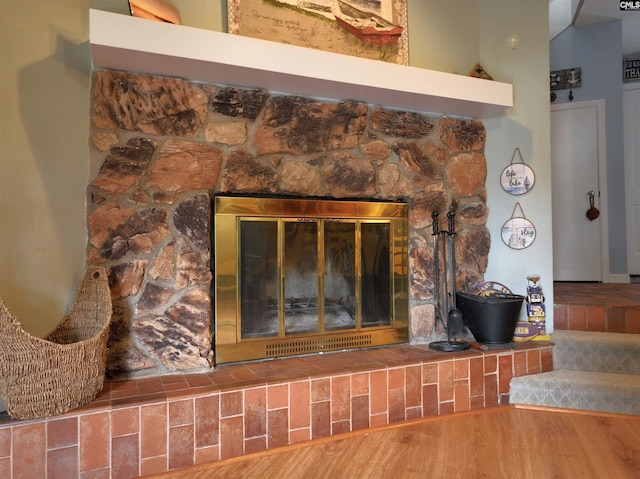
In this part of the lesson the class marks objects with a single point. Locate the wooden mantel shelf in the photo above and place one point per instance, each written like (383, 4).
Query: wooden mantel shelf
(138, 45)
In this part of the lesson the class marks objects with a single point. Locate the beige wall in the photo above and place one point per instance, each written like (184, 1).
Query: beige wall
(443, 35)
(525, 126)
(43, 156)
(44, 128)
(453, 37)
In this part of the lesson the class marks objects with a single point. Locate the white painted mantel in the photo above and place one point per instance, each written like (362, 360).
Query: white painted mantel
(121, 42)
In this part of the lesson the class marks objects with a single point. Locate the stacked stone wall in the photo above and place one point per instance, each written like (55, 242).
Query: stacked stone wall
(163, 147)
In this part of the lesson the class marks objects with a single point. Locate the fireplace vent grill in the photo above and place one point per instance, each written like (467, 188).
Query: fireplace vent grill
(315, 345)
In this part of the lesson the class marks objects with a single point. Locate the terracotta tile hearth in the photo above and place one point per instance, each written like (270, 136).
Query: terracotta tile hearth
(150, 425)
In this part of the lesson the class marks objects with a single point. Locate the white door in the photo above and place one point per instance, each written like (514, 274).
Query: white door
(577, 159)
(631, 101)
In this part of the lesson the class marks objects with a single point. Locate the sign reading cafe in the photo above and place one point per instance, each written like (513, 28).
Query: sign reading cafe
(631, 69)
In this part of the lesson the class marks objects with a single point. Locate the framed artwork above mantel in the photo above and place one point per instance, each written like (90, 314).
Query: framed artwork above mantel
(374, 29)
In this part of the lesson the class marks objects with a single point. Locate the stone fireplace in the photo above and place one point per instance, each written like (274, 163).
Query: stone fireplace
(163, 148)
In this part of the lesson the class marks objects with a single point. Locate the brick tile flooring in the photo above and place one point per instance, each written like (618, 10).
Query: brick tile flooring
(604, 294)
(608, 307)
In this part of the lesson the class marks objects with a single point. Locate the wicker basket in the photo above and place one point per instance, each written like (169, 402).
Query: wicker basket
(66, 369)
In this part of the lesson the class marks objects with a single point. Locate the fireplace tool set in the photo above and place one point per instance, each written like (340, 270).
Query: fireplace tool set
(446, 299)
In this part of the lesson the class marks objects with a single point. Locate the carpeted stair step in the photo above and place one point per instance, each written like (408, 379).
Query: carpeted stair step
(596, 351)
(588, 390)
(594, 371)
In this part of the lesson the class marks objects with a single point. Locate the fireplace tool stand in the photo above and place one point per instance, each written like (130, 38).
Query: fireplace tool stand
(454, 318)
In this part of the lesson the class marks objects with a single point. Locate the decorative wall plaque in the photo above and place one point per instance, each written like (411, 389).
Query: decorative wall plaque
(518, 232)
(566, 79)
(631, 68)
(517, 178)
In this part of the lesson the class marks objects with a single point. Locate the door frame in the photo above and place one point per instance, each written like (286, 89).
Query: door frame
(628, 167)
(599, 104)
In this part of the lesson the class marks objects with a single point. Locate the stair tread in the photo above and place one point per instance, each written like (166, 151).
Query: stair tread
(597, 351)
(599, 391)
(606, 380)
(597, 338)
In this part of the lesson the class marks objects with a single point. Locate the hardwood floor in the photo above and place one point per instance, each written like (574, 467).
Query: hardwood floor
(502, 442)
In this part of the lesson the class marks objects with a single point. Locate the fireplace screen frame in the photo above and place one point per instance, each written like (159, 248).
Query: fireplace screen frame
(231, 211)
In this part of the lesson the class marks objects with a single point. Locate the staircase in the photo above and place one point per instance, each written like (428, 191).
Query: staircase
(596, 357)
(597, 371)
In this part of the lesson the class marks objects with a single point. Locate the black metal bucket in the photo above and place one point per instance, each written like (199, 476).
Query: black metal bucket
(491, 319)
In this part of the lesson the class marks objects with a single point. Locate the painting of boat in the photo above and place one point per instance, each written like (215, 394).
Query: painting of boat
(372, 29)
(367, 27)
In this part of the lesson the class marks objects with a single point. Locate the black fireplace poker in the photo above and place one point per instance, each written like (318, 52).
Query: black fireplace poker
(454, 318)
(436, 272)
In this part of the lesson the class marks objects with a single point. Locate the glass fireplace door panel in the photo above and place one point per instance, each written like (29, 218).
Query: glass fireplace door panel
(259, 278)
(300, 265)
(340, 269)
(376, 274)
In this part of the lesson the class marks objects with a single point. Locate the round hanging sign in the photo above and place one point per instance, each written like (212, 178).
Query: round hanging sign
(517, 178)
(518, 232)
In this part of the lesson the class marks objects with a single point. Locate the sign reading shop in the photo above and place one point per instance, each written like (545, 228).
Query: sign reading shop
(631, 69)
